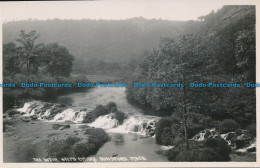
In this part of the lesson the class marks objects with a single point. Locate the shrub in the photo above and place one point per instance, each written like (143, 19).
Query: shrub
(173, 153)
(6, 124)
(96, 138)
(228, 125)
(99, 111)
(97, 134)
(74, 146)
(8, 99)
(166, 130)
(238, 132)
(120, 116)
(251, 129)
(221, 147)
(71, 140)
(84, 149)
(111, 105)
(215, 149)
(199, 155)
(59, 149)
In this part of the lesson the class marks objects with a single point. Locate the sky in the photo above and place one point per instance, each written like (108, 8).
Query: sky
(111, 9)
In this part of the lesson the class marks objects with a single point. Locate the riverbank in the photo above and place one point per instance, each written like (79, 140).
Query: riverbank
(133, 138)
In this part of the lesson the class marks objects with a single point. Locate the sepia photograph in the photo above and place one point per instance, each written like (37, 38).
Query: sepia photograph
(131, 83)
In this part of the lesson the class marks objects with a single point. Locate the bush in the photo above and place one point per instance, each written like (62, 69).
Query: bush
(215, 149)
(120, 116)
(59, 148)
(96, 138)
(172, 154)
(166, 130)
(111, 106)
(221, 147)
(97, 134)
(251, 129)
(74, 146)
(8, 100)
(99, 111)
(228, 125)
(6, 124)
(198, 155)
(84, 149)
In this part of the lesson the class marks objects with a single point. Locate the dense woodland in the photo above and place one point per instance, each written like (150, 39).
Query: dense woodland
(222, 51)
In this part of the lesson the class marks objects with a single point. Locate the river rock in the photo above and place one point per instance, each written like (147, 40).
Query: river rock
(69, 122)
(150, 128)
(135, 128)
(33, 117)
(26, 119)
(60, 126)
(12, 112)
(242, 141)
(252, 149)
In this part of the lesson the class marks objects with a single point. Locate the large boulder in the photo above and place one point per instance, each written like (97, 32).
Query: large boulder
(13, 112)
(150, 128)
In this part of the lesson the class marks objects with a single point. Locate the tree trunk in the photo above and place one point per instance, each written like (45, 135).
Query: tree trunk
(185, 115)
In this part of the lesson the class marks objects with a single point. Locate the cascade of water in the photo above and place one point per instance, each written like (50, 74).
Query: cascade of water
(135, 124)
(68, 114)
(80, 117)
(25, 107)
(106, 122)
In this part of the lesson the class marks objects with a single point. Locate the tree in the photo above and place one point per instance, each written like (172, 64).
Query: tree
(58, 60)
(29, 50)
(11, 59)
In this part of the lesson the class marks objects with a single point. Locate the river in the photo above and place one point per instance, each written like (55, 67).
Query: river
(127, 140)
(123, 142)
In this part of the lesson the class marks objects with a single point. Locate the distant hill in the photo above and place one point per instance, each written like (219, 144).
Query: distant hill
(109, 40)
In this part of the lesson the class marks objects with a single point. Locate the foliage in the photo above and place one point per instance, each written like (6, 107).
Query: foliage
(198, 155)
(228, 125)
(215, 149)
(120, 116)
(170, 130)
(32, 62)
(58, 60)
(252, 129)
(111, 106)
(221, 147)
(99, 111)
(96, 134)
(75, 146)
(6, 124)
(166, 130)
(221, 51)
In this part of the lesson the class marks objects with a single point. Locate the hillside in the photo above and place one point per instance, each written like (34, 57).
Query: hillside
(110, 40)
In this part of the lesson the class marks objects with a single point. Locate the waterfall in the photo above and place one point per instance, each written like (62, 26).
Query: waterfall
(106, 122)
(80, 117)
(140, 124)
(136, 124)
(56, 112)
(204, 134)
(26, 107)
(68, 114)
